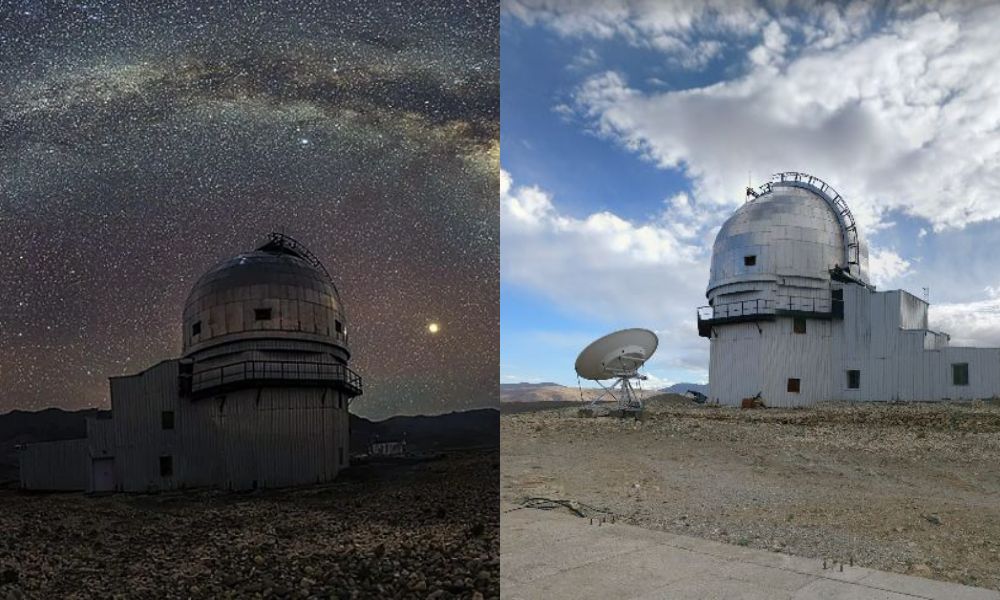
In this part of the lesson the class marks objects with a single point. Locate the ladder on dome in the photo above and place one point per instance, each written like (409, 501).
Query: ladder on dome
(288, 242)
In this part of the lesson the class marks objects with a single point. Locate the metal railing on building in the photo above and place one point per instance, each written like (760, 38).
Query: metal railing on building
(292, 372)
(768, 308)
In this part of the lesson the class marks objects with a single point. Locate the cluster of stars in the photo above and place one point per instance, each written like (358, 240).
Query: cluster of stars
(140, 143)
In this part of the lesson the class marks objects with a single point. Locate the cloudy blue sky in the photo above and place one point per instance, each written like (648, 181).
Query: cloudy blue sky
(629, 130)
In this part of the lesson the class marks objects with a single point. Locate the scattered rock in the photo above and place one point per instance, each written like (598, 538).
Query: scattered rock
(367, 535)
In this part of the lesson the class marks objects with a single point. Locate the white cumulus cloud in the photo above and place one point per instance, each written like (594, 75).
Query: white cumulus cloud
(886, 266)
(968, 323)
(615, 271)
(904, 118)
(692, 33)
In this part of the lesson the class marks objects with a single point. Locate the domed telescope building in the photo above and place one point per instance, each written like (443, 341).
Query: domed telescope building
(259, 397)
(792, 317)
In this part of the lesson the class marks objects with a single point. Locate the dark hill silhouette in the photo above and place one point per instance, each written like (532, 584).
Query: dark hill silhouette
(471, 428)
(453, 430)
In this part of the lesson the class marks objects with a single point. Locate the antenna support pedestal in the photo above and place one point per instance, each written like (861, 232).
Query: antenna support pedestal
(627, 396)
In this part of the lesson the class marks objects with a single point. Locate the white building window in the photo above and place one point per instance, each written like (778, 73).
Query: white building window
(166, 466)
(853, 379)
(960, 373)
(799, 325)
(794, 385)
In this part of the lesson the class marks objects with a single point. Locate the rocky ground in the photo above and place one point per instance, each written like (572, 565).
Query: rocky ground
(913, 489)
(419, 530)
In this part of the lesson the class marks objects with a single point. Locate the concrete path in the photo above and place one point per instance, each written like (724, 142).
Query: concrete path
(550, 555)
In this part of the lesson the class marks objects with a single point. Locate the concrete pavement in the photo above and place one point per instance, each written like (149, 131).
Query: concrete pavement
(551, 555)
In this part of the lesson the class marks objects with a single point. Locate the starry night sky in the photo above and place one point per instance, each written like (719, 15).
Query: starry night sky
(142, 142)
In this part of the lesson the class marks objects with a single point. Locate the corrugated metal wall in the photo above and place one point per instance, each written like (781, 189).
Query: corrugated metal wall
(912, 310)
(100, 437)
(281, 436)
(136, 405)
(883, 335)
(263, 437)
(751, 358)
(55, 466)
(735, 366)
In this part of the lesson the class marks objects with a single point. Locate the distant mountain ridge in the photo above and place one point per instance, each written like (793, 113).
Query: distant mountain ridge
(466, 429)
(543, 392)
(524, 385)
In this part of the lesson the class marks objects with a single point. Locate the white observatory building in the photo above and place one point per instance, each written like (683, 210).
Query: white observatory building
(258, 399)
(793, 319)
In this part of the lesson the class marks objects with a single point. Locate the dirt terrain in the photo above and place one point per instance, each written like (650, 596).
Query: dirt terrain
(913, 489)
(420, 529)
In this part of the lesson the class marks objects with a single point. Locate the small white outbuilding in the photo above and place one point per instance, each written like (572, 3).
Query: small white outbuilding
(793, 319)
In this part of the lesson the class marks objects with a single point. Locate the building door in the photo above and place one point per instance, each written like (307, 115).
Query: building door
(102, 478)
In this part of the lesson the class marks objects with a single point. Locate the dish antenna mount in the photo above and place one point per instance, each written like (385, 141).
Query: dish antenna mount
(617, 358)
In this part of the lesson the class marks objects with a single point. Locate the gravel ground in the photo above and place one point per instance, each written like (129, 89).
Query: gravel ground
(913, 489)
(421, 530)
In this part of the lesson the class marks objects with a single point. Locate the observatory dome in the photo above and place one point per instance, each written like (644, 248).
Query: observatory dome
(792, 232)
(279, 293)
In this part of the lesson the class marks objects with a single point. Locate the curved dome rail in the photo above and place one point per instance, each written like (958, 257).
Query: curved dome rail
(852, 244)
(285, 243)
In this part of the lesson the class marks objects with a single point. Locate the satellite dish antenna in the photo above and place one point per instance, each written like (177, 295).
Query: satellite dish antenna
(617, 357)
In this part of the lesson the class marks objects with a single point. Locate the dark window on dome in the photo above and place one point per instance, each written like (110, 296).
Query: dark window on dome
(853, 379)
(799, 325)
(262, 314)
(166, 466)
(793, 385)
(340, 454)
(338, 326)
(196, 328)
(167, 419)
(960, 373)
(750, 260)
